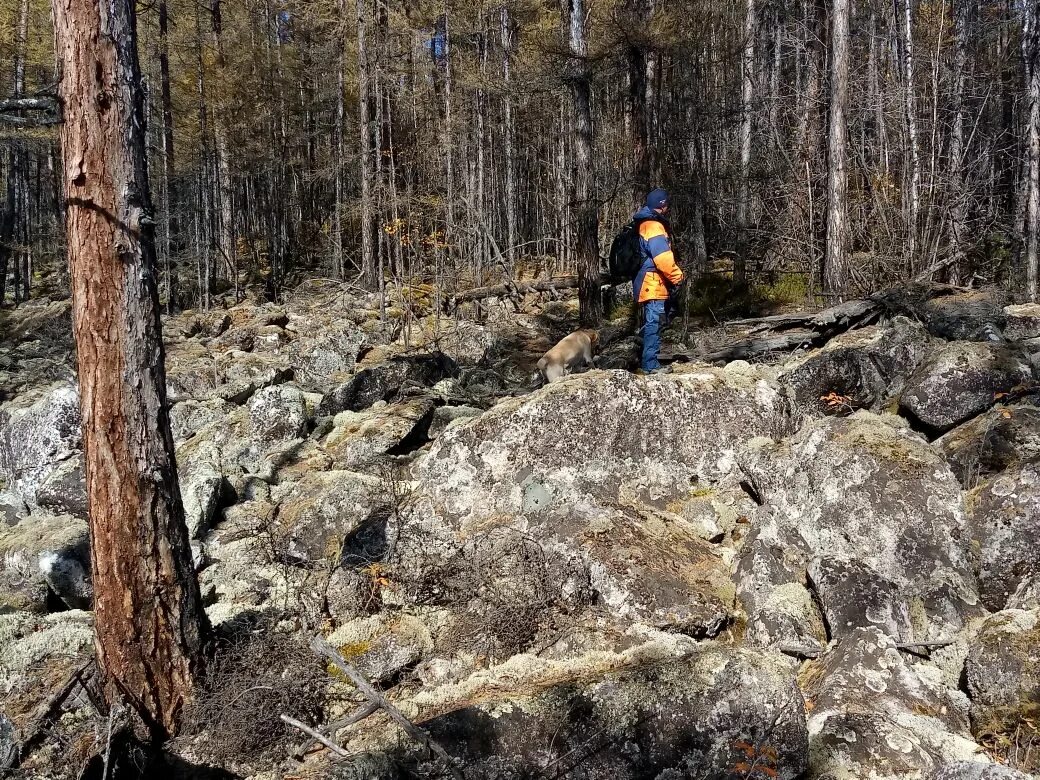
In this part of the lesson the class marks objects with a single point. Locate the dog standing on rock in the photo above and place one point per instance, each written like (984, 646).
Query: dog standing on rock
(571, 351)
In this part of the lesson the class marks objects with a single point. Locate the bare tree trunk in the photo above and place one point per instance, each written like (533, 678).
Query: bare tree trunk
(587, 216)
(747, 93)
(370, 274)
(836, 261)
(147, 607)
(958, 191)
(1031, 57)
(509, 133)
(169, 272)
(914, 191)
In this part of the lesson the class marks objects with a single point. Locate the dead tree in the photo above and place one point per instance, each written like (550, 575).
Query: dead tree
(148, 611)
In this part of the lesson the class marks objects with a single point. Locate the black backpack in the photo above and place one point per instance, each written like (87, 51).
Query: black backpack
(626, 253)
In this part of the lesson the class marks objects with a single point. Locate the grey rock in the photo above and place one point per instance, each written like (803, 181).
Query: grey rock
(712, 713)
(870, 366)
(64, 491)
(189, 417)
(41, 552)
(855, 596)
(324, 352)
(961, 380)
(867, 492)
(874, 714)
(1005, 518)
(992, 442)
(319, 512)
(278, 414)
(1023, 322)
(1002, 671)
(974, 315)
(38, 432)
(384, 381)
(975, 770)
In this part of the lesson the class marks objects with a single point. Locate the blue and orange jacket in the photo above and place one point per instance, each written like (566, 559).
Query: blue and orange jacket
(659, 274)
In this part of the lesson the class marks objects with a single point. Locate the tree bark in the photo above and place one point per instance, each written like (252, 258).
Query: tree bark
(369, 271)
(148, 611)
(587, 216)
(1031, 57)
(836, 262)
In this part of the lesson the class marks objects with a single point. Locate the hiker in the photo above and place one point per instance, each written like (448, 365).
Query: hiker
(658, 276)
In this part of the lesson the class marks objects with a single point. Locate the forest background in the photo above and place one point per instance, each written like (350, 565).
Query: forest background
(812, 148)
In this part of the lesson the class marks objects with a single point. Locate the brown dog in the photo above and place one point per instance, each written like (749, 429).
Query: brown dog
(572, 351)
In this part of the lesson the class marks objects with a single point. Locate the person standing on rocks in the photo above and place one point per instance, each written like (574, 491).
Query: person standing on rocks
(658, 276)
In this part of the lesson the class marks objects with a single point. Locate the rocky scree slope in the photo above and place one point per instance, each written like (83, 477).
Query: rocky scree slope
(822, 565)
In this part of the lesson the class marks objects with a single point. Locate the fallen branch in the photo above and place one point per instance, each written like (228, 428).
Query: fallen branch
(315, 735)
(324, 649)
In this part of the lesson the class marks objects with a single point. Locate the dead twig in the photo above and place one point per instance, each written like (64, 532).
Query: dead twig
(315, 735)
(324, 649)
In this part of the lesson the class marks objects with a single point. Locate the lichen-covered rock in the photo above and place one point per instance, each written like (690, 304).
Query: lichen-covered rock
(772, 589)
(853, 595)
(1002, 672)
(41, 553)
(385, 381)
(382, 646)
(597, 471)
(277, 414)
(962, 379)
(972, 315)
(1005, 517)
(992, 442)
(64, 490)
(665, 708)
(867, 492)
(361, 439)
(976, 770)
(1023, 322)
(317, 513)
(875, 715)
(189, 417)
(324, 350)
(38, 431)
(869, 366)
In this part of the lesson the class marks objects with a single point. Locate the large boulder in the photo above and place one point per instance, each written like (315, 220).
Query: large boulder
(1005, 517)
(42, 555)
(666, 708)
(362, 439)
(873, 516)
(324, 351)
(1023, 322)
(1002, 672)
(318, 513)
(869, 366)
(993, 441)
(971, 315)
(38, 432)
(874, 714)
(385, 381)
(962, 379)
(596, 481)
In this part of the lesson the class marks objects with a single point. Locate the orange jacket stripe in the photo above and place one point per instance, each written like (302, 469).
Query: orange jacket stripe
(654, 288)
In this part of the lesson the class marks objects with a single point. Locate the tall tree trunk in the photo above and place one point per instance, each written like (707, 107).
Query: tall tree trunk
(148, 611)
(587, 216)
(169, 272)
(747, 69)
(914, 187)
(370, 273)
(958, 191)
(1031, 57)
(836, 261)
(509, 134)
